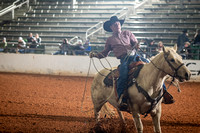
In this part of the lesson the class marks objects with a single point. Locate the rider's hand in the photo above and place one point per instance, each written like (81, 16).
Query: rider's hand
(92, 54)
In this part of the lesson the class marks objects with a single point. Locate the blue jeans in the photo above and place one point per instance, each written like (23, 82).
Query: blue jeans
(60, 52)
(1, 49)
(21, 51)
(123, 74)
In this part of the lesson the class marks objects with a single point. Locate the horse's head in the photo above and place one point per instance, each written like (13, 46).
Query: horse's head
(176, 66)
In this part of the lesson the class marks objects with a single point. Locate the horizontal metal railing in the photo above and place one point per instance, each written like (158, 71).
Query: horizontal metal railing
(140, 5)
(71, 41)
(12, 8)
(97, 27)
(93, 27)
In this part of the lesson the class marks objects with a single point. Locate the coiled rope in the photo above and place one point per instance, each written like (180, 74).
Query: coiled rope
(111, 69)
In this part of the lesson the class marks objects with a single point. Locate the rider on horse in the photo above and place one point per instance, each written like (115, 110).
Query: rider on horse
(124, 45)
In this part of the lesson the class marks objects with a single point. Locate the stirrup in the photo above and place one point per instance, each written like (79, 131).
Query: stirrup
(123, 106)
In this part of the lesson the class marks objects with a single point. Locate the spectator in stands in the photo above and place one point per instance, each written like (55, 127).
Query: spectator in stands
(30, 38)
(197, 38)
(151, 47)
(21, 45)
(79, 49)
(87, 43)
(3, 45)
(185, 52)
(182, 39)
(160, 46)
(87, 46)
(36, 40)
(64, 48)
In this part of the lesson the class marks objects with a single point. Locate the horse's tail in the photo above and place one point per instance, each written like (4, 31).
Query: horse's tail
(107, 111)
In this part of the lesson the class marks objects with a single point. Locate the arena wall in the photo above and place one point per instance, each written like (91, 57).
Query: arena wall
(67, 65)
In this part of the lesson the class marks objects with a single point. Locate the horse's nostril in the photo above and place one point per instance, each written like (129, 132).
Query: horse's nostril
(187, 77)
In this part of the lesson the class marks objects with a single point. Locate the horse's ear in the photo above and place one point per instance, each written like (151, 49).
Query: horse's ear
(175, 47)
(164, 50)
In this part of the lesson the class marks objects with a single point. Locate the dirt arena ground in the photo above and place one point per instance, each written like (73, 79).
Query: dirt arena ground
(41, 103)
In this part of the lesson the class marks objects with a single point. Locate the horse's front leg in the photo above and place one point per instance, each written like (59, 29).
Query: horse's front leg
(137, 120)
(156, 114)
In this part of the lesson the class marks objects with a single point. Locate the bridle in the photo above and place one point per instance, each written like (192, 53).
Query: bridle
(172, 67)
(175, 70)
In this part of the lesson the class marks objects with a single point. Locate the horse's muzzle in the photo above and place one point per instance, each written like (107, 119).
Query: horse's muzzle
(187, 76)
(184, 77)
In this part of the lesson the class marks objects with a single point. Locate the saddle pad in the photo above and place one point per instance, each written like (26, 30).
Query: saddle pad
(108, 80)
(134, 69)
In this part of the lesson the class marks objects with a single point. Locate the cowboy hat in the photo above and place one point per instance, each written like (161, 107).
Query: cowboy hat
(112, 20)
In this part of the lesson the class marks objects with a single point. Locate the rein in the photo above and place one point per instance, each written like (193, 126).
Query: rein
(172, 67)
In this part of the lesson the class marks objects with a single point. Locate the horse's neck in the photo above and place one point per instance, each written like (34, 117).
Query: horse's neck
(151, 77)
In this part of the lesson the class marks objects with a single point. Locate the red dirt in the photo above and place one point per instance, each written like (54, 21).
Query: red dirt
(41, 103)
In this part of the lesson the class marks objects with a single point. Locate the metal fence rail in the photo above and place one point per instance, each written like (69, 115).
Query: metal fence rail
(12, 8)
(99, 26)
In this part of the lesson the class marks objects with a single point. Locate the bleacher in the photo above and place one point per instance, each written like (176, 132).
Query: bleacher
(54, 20)
(164, 24)
(163, 21)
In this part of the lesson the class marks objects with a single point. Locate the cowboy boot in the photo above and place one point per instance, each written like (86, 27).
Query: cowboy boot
(123, 104)
(167, 98)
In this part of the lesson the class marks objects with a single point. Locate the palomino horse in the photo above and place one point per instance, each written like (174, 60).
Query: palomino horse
(150, 79)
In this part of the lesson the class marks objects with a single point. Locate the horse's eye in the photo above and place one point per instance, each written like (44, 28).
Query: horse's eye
(172, 60)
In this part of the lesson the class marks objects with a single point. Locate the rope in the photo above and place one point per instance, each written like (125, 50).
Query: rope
(104, 101)
(102, 64)
(97, 69)
(85, 89)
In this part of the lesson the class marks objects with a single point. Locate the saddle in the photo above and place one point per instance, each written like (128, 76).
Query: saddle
(134, 69)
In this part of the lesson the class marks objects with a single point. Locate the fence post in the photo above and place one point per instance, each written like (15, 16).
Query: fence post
(73, 3)
(150, 2)
(13, 13)
(86, 35)
(134, 10)
(28, 3)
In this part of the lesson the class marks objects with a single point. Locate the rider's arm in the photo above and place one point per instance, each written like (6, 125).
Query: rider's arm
(133, 39)
(105, 52)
